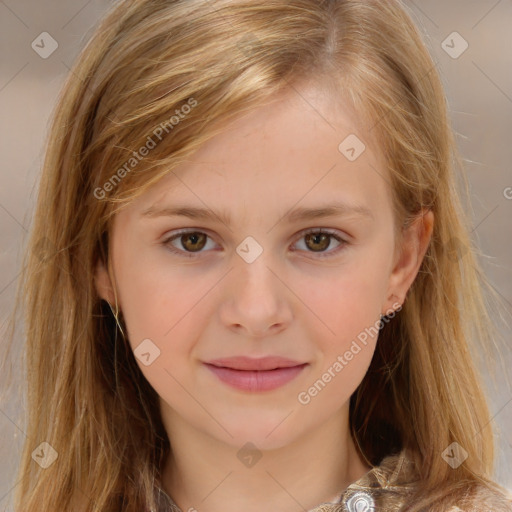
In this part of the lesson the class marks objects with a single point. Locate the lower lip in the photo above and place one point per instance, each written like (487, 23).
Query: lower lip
(264, 380)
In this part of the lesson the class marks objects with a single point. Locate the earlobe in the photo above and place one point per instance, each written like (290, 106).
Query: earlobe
(416, 239)
(103, 283)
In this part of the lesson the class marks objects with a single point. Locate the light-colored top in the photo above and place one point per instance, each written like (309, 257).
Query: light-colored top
(386, 487)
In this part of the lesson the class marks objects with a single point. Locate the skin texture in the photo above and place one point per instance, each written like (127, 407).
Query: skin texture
(289, 301)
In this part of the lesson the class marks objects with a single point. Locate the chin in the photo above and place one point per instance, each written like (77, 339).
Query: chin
(266, 433)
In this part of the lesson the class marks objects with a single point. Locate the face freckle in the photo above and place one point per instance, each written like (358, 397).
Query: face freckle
(270, 176)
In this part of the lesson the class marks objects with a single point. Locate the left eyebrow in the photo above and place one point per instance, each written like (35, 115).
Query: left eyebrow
(330, 210)
(297, 214)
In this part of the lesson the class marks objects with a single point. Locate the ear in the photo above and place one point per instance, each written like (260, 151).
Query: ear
(103, 283)
(416, 239)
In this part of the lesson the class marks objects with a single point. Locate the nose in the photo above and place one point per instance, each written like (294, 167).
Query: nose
(256, 301)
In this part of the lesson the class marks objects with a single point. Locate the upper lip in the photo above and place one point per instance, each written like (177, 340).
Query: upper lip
(251, 363)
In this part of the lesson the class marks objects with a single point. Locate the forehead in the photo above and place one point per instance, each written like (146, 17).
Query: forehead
(305, 145)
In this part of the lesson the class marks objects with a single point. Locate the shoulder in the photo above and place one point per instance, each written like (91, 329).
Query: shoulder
(396, 481)
(484, 498)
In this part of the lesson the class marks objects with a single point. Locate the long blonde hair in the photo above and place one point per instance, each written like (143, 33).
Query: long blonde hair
(146, 60)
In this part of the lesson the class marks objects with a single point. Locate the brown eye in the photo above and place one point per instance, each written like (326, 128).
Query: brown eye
(189, 244)
(194, 241)
(318, 241)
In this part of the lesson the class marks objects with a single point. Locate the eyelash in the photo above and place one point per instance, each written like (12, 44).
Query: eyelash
(318, 231)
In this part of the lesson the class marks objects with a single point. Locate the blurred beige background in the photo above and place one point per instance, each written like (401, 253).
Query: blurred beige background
(478, 82)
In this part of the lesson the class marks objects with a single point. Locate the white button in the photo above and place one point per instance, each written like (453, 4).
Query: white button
(360, 501)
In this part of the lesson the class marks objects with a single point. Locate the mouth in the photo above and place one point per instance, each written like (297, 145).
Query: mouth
(255, 375)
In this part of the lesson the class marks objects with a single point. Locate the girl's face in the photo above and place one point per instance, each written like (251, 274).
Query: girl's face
(248, 281)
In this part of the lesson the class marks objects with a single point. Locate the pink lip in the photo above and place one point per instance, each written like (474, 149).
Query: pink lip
(249, 374)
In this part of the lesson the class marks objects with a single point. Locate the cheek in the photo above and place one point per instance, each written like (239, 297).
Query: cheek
(164, 305)
(347, 306)
(152, 293)
(345, 340)
(162, 315)
(346, 301)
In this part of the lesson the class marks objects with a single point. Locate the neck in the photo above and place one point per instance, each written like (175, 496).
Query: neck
(208, 474)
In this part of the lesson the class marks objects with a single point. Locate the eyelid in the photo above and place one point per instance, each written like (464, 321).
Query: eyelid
(343, 240)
